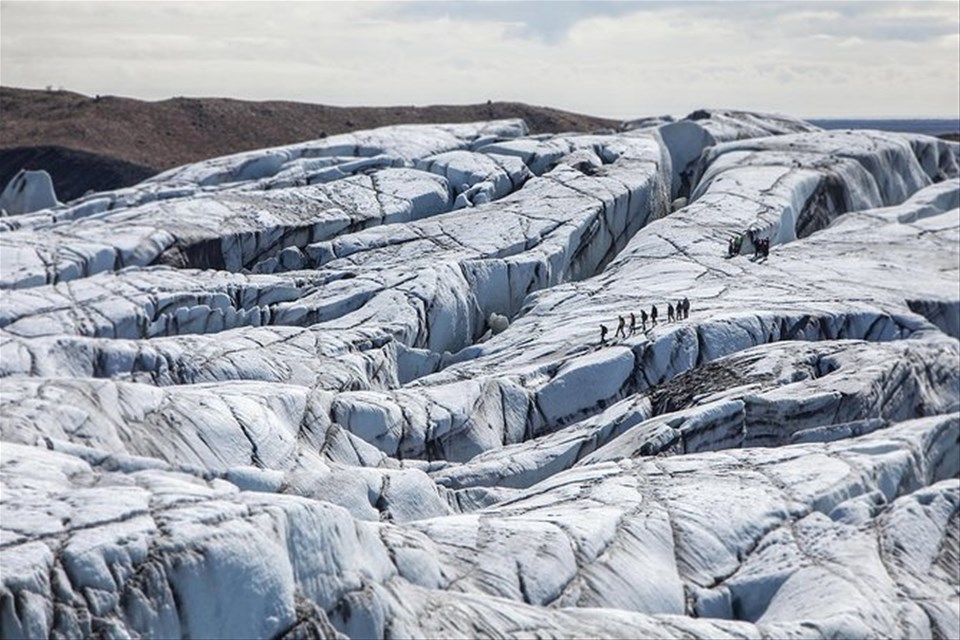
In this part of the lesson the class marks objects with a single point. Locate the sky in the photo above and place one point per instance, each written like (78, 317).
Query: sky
(614, 59)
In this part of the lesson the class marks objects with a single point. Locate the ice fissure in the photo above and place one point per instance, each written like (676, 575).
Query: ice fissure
(357, 386)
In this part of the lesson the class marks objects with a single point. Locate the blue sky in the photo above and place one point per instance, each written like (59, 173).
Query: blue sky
(615, 59)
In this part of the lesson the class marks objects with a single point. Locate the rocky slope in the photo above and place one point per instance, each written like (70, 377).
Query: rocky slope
(109, 142)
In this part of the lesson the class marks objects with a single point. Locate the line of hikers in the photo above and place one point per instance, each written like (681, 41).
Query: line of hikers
(680, 312)
(761, 246)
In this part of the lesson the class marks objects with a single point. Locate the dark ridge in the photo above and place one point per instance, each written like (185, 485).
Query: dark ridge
(169, 133)
(74, 173)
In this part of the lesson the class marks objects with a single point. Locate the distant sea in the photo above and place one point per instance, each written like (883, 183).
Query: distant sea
(932, 127)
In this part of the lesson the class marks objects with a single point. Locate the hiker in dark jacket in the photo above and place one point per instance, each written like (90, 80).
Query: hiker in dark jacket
(643, 319)
(621, 328)
(653, 315)
(669, 312)
(633, 323)
(686, 308)
(603, 334)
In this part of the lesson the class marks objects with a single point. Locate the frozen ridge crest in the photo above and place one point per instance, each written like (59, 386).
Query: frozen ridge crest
(357, 387)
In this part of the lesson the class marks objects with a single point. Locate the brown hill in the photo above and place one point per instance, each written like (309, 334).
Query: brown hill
(159, 135)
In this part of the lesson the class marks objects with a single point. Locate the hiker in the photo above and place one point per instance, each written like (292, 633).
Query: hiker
(653, 316)
(669, 312)
(766, 247)
(679, 309)
(686, 308)
(633, 323)
(730, 247)
(643, 319)
(603, 334)
(621, 328)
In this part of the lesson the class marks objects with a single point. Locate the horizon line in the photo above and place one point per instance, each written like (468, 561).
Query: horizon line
(59, 88)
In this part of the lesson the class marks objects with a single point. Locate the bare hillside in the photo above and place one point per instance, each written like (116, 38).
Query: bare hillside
(154, 136)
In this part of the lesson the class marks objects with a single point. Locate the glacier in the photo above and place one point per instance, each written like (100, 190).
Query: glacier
(356, 387)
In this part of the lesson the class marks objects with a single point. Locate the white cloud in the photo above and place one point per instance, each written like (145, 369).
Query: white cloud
(806, 17)
(612, 59)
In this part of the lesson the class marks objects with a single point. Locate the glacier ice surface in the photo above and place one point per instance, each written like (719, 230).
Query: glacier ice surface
(356, 387)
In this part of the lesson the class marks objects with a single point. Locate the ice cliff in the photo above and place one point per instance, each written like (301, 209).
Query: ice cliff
(356, 387)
